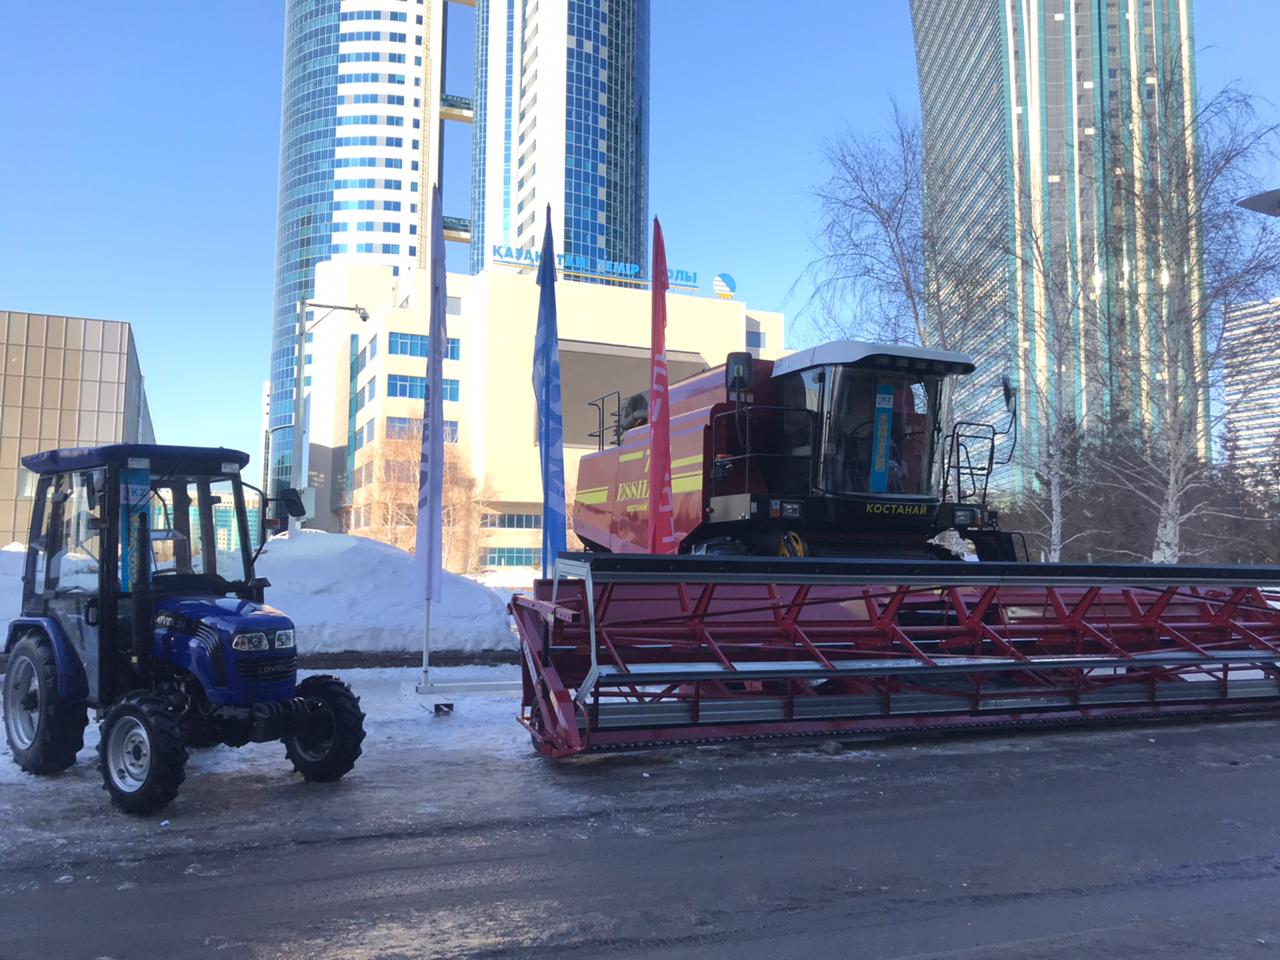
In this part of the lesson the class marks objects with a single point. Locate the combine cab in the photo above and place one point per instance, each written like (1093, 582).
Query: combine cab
(836, 451)
(820, 502)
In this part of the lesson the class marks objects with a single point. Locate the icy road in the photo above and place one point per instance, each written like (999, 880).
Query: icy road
(451, 839)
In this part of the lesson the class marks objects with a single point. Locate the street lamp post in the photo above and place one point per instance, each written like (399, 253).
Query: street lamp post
(303, 330)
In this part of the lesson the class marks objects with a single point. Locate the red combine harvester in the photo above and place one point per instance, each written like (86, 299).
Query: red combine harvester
(824, 509)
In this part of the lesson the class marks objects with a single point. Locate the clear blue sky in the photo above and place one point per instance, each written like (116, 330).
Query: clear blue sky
(140, 147)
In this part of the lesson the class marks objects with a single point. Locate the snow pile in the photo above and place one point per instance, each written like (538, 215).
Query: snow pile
(352, 593)
(12, 559)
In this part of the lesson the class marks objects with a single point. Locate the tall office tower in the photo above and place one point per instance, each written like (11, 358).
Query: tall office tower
(562, 117)
(1251, 378)
(360, 116)
(1059, 199)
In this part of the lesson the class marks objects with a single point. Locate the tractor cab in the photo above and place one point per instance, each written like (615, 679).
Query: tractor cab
(121, 534)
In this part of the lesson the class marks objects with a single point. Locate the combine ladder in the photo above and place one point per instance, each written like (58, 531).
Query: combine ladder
(623, 651)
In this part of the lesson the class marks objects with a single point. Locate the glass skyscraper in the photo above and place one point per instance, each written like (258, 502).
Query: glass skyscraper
(355, 105)
(560, 115)
(562, 118)
(1044, 122)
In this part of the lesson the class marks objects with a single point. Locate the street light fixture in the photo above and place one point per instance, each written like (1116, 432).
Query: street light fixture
(1268, 203)
(303, 330)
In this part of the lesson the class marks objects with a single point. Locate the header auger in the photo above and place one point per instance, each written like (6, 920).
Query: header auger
(813, 594)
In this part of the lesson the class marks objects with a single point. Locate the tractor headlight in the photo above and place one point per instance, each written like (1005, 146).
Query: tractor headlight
(284, 640)
(249, 641)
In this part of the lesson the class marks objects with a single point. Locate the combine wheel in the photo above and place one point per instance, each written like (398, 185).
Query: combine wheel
(791, 544)
(142, 757)
(45, 731)
(330, 749)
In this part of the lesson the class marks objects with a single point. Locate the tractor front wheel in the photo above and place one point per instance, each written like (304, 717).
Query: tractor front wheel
(45, 732)
(331, 747)
(142, 757)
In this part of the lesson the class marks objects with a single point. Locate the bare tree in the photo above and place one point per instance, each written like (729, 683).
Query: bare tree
(385, 503)
(877, 232)
(1052, 312)
(1184, 253)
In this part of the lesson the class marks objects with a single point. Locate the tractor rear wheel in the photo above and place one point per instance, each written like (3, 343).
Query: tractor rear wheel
(45, 732)
(330, 749)
(142, 757)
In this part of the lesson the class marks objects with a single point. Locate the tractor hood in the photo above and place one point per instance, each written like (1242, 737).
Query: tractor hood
(227, 614)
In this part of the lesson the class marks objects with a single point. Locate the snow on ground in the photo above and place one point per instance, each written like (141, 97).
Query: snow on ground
(352, 593)
(68, 815)
(397, 716)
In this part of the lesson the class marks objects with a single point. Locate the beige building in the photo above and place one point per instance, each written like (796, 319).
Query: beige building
(67, 382)
(366, 385)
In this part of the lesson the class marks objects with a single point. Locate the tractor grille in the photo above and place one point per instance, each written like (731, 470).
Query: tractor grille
(277, 668)
(212, 643)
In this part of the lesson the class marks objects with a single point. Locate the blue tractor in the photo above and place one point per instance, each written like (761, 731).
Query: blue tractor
(139, 601)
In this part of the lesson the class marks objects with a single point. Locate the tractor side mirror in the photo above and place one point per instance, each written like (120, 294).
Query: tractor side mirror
(737, 374)
(292, 501)
(1010, 393)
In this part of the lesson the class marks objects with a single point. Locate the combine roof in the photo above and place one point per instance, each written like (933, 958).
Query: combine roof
(86, 458)
(857, 352)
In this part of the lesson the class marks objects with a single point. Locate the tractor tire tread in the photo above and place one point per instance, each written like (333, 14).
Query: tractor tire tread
(60, 735)
(168, 768)
(349, 731)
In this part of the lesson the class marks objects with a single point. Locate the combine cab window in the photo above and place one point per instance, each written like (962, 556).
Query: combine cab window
(880, 432)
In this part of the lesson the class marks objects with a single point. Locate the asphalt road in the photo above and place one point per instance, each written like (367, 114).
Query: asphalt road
(1149, 841)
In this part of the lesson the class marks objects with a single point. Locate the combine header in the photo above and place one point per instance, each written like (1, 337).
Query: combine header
(633, 651)
(747, 633)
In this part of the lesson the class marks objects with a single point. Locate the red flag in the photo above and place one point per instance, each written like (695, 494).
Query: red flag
(662, 532)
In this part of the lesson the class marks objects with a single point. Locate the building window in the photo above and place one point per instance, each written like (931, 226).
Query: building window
(511, 521)
(415, 388)
(408, 428)
(755, 339)
(398, 471)
(453, 307)
(510, 557)
(402, 428)
(416, 345)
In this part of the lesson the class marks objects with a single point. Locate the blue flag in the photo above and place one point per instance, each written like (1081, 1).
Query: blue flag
(431, 467)
(546, 388)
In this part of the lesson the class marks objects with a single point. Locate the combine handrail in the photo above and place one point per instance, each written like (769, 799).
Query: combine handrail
(598, 434)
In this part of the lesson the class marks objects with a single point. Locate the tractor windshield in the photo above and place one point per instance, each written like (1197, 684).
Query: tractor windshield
(197, 529)
(882, 431)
